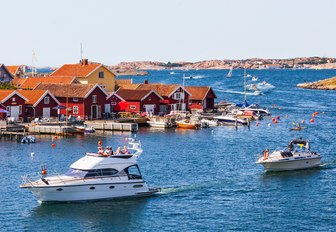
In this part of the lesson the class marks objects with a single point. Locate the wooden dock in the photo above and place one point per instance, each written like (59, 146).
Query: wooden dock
(12, 135)
(113, 126)
(53, 129)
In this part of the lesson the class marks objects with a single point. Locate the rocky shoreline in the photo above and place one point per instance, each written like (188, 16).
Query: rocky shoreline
(326, 84)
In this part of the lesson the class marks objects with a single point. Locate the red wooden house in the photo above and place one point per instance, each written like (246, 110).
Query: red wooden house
(81, 101)
(175, 97)
(15, 104)
(140, 100)
(202, 97)
(40, 103)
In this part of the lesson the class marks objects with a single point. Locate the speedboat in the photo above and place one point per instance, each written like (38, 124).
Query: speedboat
(161, 122)
(188, 124)
(231, 119)
(296, 156)
(93, 177)
(256, 109)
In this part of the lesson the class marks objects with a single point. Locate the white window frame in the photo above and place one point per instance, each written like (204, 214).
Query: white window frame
(113, 103)
(94, 98)
(178, 95)
(75, 109)
(13, 99)
(46, 100)
(75, 99)
(8, 108)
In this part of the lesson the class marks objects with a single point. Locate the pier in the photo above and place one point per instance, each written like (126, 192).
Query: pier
(12, 135)
(113, 126)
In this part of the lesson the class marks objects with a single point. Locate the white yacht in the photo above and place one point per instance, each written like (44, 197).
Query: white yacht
(296, 156)
(94, 177)
(161, 122)
(230, 119)
(256, 109)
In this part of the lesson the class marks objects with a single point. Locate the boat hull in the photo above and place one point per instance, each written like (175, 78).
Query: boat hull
(188, 126)
(89, 192)
(289, 165)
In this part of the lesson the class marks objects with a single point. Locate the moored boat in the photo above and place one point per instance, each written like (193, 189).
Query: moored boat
(296, 156)
(188, 124)
(231, 119)
(93, 177)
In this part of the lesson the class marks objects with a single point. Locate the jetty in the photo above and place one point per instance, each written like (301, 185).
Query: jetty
(113, 126)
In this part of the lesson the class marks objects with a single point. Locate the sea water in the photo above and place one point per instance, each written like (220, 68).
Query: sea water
(209, 178)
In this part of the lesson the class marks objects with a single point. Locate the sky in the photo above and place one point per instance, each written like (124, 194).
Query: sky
(113, 31)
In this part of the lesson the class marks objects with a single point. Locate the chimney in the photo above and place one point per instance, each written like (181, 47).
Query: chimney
(145, 82)
(84, 62)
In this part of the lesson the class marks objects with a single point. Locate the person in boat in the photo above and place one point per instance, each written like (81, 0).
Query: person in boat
(125, 150)
(118, 151)
(266, 154)
(108, 151)
(290, 147)
(100, 147)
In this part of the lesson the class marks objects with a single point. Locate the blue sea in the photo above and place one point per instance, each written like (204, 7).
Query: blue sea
(209, 178)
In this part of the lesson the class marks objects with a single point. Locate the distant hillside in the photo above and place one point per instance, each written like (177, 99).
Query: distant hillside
(327, 84)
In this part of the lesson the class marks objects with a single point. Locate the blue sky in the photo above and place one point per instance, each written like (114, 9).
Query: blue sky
(161, 30)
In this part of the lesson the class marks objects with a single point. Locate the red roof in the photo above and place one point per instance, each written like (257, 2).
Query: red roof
(132, 94)
(4, 93)
(198, 92)
(76, 70)
(33, 96)
(13, 69)
(32, 82)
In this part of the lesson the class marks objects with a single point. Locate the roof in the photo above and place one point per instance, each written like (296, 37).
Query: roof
(198, 92)
(165, 90)
(76, 70)
(17, 81)
(35, 96)
(69, 90)
(124, 81)
(13, 69)
(5, 94)
(135, 94)
(128, 86)
(32, 82)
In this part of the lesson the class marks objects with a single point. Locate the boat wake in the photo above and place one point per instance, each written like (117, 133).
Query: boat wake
(194, 77)
(177, 189)
(239, 92)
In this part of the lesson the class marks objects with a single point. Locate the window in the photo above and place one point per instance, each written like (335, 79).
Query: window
(133, 172)
(75, 110)
(13, 99)
(20, 109)
(75, 99)
(113, 103)
(94, 98)
(101, 172)
(178, 95)
(46, 100)
(132, 107)
(8, 109)
(101, 74)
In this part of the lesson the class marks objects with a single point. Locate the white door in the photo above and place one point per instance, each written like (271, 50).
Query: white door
(149, 108)
(15, 111)
(183, 107)
(107, 108)
(46, 112)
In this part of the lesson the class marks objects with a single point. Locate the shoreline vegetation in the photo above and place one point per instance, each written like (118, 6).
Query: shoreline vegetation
(326, 84)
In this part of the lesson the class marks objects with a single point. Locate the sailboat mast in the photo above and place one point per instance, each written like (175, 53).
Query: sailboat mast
(244, 84)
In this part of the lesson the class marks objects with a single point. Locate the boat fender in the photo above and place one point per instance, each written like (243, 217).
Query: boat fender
(45, 181)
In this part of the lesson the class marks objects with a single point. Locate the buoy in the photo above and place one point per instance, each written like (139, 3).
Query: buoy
(53, 145)
(275, 121)
(286, 115)
(269, 124)
(302, 121)
(280, 108)
(323, 112)
(55, 137)
(32, 154)
(278, 117)
(312, 120)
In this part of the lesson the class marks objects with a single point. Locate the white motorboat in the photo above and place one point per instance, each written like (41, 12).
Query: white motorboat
(256, 109)
(296, 156)
(208, 123)
(231, 119)
(161, 122)
(254, 78)
(94, 177)
(264, 86)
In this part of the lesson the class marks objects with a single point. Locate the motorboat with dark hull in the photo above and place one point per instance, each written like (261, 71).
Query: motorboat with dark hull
(93, 177)
(296, 156)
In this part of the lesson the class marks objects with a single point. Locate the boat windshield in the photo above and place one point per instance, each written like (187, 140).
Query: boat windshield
(76, 173)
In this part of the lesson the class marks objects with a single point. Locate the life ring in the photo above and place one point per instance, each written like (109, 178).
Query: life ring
(266, 154)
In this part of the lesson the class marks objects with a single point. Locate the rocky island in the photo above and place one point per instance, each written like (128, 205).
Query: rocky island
(326, 84)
